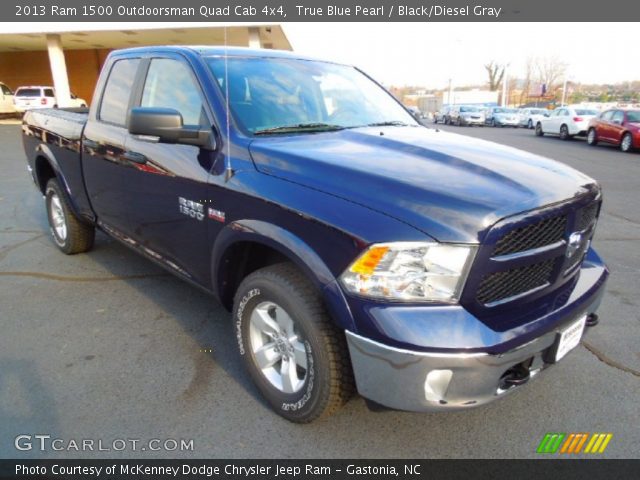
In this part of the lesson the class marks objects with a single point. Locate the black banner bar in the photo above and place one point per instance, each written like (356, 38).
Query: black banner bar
(564, 469)
(319, 11)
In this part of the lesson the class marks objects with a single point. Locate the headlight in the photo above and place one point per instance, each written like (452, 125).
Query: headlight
(408, 271)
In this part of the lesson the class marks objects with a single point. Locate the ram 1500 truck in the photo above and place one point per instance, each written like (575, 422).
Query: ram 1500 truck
(355, 247)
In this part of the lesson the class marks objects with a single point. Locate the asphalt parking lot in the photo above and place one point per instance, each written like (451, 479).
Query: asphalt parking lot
(108, 346)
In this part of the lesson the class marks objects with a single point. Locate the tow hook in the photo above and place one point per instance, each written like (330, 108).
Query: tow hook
(514, 377)
(592, 320)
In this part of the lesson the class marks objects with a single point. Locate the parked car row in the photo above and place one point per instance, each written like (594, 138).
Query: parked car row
(615, 126)
(493, 116)
(32, 97)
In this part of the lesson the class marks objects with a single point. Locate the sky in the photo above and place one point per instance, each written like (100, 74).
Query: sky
(429, 54)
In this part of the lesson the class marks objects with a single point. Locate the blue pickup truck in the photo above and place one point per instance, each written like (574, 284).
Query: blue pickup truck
(356, 248)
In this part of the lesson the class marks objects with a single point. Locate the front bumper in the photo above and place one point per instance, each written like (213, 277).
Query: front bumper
(472, 121)
(428, 381)
(506, 122)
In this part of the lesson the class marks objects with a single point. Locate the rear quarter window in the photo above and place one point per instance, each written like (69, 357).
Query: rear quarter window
(117, 91)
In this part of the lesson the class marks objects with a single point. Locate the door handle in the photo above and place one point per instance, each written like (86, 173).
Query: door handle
(135, 157)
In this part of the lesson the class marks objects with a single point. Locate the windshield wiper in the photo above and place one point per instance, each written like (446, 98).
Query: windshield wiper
(300, 127)
(390, 123)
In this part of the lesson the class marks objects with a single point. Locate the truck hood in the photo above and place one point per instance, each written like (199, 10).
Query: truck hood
(449, 186)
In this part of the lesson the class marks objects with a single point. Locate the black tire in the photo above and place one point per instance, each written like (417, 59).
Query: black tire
(78, 236)
(459, 122)
(530, 124)
(564, 132)
(327, 381)
(626, 144)
(592, 137)
(539, 131)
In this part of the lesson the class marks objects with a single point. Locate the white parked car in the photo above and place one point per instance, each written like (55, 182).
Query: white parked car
(566, 122)
(530, 116)
(28, 98)
(6, 99)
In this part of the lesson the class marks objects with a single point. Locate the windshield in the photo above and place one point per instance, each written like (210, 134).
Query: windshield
(28, 92)
(505, 110)
(538, 111)
(633, 116)
(469, 109)
(586, 112)
(275, 95)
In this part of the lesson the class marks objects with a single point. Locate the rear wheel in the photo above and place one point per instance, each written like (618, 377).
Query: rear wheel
(564, 133)
(539, 131)
(70, 234)
(530, 124)
(626, 145)
(295, 355)
(592, 138)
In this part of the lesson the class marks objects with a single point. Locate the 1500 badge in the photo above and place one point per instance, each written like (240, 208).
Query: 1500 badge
(191, 208)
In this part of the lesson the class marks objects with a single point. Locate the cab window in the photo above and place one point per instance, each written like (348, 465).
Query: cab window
(115, 99)
(169, 84)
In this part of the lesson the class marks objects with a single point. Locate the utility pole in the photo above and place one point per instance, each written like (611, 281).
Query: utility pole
(505, 82)
(564, 90)
(450, 92)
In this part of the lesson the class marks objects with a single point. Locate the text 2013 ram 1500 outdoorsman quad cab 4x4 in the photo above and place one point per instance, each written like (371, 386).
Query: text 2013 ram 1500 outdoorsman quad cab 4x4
(355, 247)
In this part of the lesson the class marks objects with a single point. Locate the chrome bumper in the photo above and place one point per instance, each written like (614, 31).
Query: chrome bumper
(429, 382)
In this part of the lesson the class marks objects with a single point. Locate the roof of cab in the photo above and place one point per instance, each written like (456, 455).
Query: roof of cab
(220, 50)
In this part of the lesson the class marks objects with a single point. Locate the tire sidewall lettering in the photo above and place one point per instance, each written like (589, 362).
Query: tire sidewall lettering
(288, 406)
(254, 292)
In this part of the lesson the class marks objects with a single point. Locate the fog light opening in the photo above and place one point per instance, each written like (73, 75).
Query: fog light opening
(436, 385)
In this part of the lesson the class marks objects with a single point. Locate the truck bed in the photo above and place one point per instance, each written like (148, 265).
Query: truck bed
(66, 123)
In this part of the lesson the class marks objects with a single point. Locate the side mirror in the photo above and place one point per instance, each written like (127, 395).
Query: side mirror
(166, 125)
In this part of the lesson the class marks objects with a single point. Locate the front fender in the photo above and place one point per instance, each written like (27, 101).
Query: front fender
(292, 247)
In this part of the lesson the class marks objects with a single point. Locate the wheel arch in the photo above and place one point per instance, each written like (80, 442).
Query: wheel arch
(247, 245)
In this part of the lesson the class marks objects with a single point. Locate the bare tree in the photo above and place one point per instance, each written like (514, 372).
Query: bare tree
(496, 73)
(528, 80)
(550, 70)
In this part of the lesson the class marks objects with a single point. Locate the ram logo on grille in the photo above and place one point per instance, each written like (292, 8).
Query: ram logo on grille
(574, 244)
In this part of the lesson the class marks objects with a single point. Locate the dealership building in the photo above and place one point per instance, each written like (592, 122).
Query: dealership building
(70, 57)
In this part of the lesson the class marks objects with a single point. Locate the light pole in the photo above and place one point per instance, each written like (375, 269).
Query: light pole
(505, 83)
(450, 92)
(564, 91)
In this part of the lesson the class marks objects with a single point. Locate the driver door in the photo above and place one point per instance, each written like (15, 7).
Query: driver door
(167, 183)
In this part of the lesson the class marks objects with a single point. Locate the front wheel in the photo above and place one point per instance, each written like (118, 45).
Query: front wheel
(70, 234)
(626, 144)
(539, 131)
(295, 355)
(592, 138)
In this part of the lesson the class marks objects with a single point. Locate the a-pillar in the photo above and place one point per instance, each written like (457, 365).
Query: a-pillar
(59, 70)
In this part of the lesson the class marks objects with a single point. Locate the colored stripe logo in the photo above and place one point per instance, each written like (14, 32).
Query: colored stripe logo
(574, 443)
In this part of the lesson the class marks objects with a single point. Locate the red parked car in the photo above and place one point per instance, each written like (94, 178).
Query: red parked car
(619, 127)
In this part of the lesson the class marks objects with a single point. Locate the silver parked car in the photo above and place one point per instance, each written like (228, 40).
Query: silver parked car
(502, 117)
(466, 115)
